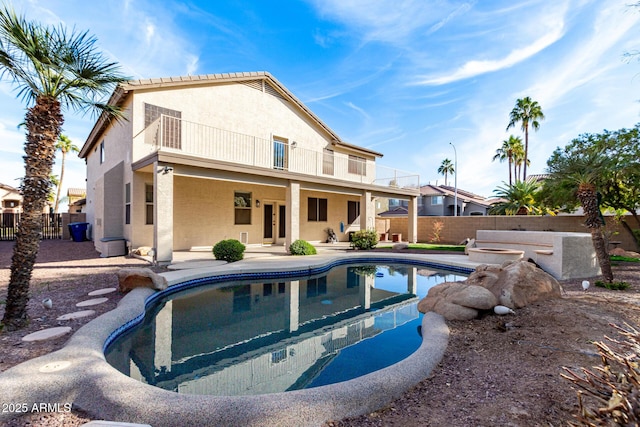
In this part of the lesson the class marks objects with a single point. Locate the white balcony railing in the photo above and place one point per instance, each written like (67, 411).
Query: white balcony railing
(177, 135)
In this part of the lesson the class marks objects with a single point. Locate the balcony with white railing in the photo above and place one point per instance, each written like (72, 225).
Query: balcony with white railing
(170, 134)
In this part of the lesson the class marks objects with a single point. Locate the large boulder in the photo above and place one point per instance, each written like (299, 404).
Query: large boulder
(130, 278)
(516, 284)
(457, 300)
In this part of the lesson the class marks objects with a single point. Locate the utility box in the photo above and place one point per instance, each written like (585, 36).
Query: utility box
(113, 246)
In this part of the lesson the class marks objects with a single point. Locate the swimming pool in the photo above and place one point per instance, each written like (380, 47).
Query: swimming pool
(270, 333)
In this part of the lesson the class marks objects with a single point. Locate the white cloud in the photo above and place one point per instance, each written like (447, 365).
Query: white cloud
(474, 68)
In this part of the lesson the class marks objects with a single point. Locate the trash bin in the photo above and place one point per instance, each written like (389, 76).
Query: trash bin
(78, 231)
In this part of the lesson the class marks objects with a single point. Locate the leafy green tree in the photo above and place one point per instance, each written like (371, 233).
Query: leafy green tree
(64, 145)
(575, 175)
(52, 68)
(618, 183)
(521, 199)
(528, 113)
(446, 168)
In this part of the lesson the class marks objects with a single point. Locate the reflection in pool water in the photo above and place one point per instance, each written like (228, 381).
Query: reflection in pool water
(254, 337)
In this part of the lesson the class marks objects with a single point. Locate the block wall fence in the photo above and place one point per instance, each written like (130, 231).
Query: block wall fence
(456, 229)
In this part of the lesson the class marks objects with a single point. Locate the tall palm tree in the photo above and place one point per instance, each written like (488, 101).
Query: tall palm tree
(64, 145)
(51, 68)
(528, 113)
(446, 168)
(518, 161)
(506, 152)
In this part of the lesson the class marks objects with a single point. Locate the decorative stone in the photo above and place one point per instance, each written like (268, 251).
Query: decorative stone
(130, 278)
(103, 291)
(91, 302)
(47, 334)
(516, 284)
(142, 251)
(622, 252)
(77, 315)
(457, 300)
(400, 246)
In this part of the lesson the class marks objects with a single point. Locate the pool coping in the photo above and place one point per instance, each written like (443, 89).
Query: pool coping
(79, 374)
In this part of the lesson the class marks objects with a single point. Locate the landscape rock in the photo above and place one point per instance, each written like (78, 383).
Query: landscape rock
(400, 246)
(471, 243)
(130, 278)
(457, 300)
(622, 252)
(516, 283)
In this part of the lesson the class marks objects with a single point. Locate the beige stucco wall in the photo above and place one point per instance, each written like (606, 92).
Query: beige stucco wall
(117, 139)
(337, 211)
(234, 107)
(456, 229)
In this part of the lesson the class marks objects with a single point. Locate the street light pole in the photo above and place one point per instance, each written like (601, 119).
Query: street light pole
(455, 175)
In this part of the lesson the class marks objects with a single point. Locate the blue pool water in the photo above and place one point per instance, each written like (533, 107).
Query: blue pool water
(270, 334)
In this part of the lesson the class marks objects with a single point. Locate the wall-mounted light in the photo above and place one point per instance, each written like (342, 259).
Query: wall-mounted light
(294, 144)
(257, 203)
(166, 170)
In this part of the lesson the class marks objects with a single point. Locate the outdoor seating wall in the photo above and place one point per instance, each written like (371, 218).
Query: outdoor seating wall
(456, 229)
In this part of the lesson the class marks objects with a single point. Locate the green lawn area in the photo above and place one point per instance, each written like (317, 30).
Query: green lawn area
(429, 247)
(624, 258)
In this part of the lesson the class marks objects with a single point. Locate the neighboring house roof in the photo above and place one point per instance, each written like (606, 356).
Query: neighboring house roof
(538, 178)
(119, 95)
(9, 188)
(397, 211)
(445, 190)
(76, 192)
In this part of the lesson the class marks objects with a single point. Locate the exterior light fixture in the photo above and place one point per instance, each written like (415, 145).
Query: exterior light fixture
(257, 203)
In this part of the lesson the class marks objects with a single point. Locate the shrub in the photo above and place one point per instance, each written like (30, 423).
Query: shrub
(438, 226)
(608, 394)
(364, 239)
(614, 286)
(302, 247)
(229, 250)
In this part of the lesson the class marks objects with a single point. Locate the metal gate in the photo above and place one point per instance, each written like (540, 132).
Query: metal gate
(51, 226)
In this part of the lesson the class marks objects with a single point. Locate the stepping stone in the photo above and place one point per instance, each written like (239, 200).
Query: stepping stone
(90, 302)
(77, 315)
(47, 334)
(101, 292)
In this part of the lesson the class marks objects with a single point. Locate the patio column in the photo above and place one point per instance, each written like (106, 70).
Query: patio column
(412, 220)
(292, 214)
(367, 212)
(163, 214)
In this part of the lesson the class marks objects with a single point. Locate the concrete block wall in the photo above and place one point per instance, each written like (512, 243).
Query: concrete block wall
(456, 229)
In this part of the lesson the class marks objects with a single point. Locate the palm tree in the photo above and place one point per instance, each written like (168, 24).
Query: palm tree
(579, 173)
(51, 68)
(506, 152)
(518, 161)
(520, 199)
(445, 169)
(527, 112)
(64, 145)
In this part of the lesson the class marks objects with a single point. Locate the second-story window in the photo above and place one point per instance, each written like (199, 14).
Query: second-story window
(327, 162)
(357, 165)
(280, 154)
(102, 152)
(437, 200)
(170, 133)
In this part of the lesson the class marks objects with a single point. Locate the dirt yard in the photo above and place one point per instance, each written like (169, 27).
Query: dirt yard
(497, 371)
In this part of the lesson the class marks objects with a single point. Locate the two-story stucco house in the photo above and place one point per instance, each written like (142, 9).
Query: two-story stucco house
(205, 158)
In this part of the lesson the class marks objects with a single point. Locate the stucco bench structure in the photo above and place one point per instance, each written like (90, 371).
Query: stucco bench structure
(563, 255)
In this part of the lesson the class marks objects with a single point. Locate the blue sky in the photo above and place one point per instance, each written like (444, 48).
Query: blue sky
(403, 77)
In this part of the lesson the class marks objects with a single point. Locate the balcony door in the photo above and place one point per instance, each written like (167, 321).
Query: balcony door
(280, 154)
